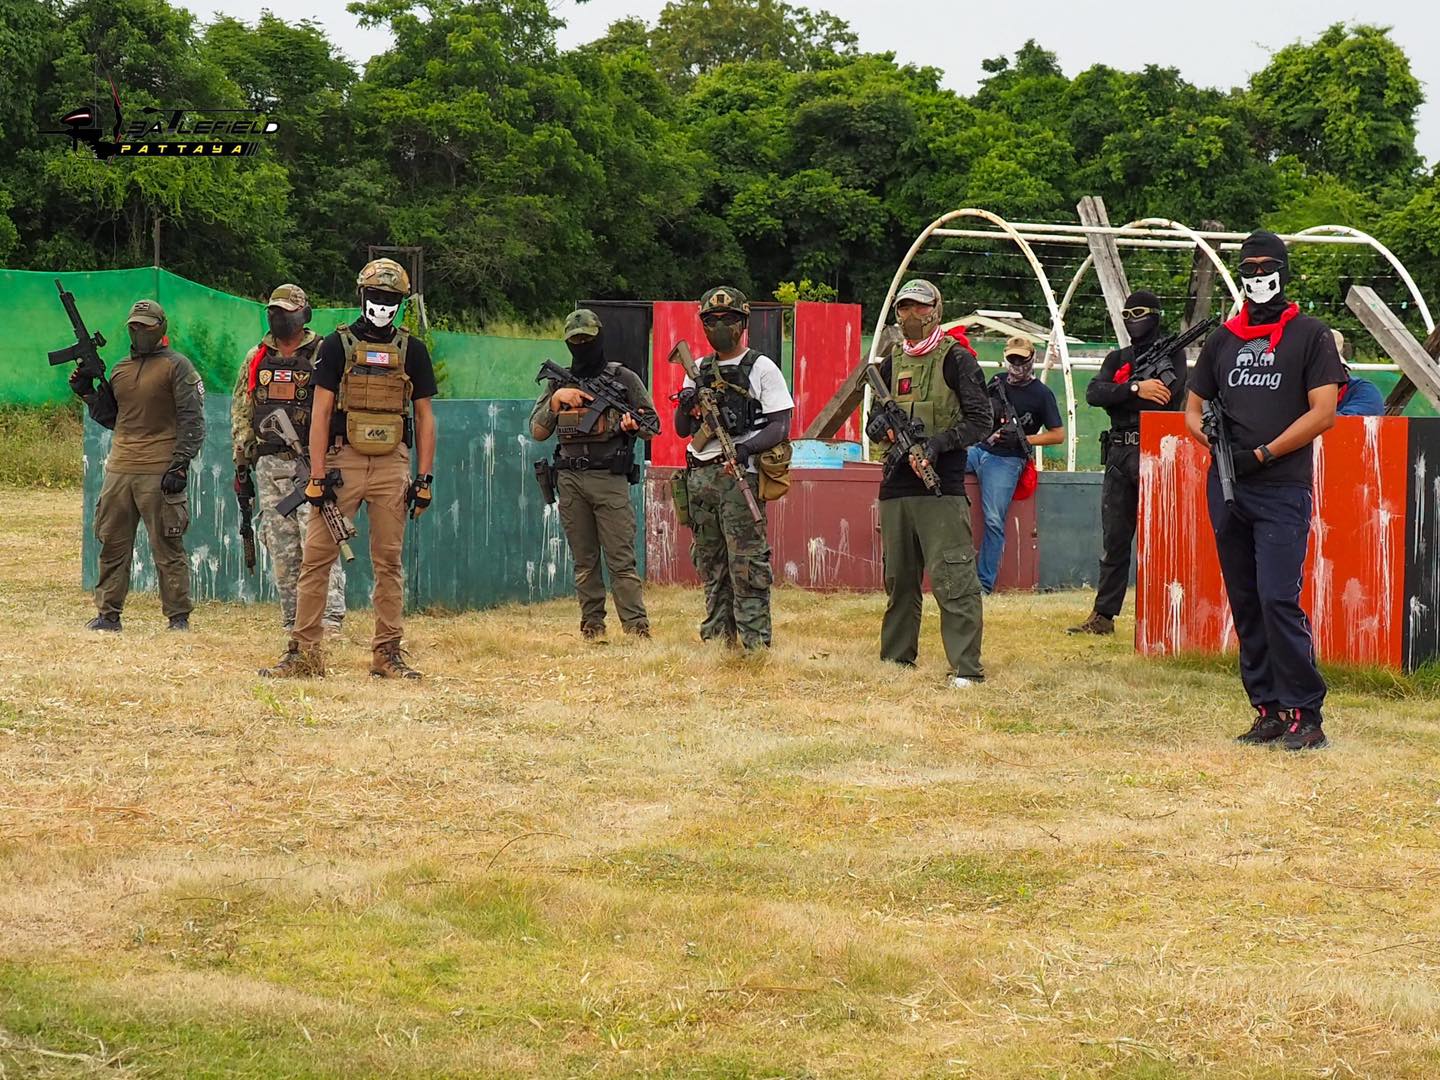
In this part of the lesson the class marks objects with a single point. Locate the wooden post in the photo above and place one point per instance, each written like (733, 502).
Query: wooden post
(1417, 362)
(850, 393)
(1108, 267)
(1203, 276)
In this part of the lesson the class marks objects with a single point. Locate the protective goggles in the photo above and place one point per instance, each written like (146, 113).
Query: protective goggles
(727, 318)
(1133, 314)
(1260, 267)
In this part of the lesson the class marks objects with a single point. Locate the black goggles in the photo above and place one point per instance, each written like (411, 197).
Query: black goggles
(1260, 267)
(728, 318)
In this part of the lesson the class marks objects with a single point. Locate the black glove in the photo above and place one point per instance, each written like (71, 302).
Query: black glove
(417, 495)
(81, 385)
(686, 398)
(1245, 462)
(319, 492)
(244, 485)
(173, 482)
(742, 454)
(1011, 438)
(933, 450)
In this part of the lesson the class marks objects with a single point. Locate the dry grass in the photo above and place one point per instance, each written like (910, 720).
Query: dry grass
(658, 859)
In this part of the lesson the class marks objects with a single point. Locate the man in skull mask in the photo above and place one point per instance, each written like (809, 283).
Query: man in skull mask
(730, 548)
(373, 384)
(593, 474)
(1026, 416)
(155, 404)
(1116, 390)
(937, 381)
(1277, 376)
(277, 375)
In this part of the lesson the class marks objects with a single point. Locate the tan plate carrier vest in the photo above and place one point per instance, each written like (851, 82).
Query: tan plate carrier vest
(374, 392)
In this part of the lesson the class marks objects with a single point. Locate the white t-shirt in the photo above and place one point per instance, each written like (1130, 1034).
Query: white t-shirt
(767, 384)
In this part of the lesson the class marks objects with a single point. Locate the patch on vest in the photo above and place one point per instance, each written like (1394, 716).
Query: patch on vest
(377, 357)
(265, 376)
(302, 377)
(904, 385)
(283, 375)
(282, 389)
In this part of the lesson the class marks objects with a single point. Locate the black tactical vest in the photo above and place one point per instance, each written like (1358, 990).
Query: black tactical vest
(739, 405)
(284, 383)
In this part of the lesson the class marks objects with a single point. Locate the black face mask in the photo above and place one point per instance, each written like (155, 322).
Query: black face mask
(1142, 330)
(145, 339)
(588, 357)
(284, 325)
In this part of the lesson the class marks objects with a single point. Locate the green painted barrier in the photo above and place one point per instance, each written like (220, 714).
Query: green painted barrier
(486, 540)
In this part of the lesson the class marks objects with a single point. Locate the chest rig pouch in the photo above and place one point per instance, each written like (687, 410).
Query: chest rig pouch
(917, 383)
(283, 384)
(739, 408)
(374, 393)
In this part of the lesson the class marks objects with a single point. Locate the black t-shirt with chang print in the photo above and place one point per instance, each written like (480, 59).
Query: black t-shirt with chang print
(1264, 393)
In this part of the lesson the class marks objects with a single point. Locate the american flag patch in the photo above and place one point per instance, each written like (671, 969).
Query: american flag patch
(377, 357)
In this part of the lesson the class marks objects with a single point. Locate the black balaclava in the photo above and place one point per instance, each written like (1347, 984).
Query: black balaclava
(587, 358)
(284, 324)
(1144, 330)
(1264, 292)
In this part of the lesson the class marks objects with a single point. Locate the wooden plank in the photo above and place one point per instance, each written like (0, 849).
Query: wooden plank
(1108, 267)
(1201, 293)
(850, 394)
(1416, 361)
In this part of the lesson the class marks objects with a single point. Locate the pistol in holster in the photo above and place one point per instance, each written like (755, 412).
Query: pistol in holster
(545, 477)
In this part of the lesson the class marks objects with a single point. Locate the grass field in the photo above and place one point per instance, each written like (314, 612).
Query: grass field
(657, 859)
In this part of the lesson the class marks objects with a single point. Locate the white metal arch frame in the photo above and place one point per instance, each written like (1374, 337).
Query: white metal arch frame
(1057, 328)
(1346, 230)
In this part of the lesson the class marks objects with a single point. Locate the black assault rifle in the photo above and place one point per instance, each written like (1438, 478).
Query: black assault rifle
(1158, 361)
(606, 392)
(887, 417)
(277, 425)
(86, 349)
(1217, 430)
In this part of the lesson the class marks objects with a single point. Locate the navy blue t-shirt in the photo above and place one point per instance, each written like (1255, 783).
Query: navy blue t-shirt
(1035, 407)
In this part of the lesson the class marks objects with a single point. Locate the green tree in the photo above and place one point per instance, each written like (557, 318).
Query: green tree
(693, 37)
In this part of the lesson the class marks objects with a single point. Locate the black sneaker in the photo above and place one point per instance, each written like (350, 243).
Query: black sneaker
(180, 622)
(109, 623)
(1270, 723)
(1305, 732)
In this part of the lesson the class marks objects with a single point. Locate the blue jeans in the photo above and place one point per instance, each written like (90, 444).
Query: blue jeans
(998, 476)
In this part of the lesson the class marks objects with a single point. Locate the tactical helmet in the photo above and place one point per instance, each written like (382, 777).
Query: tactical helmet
(724, 298)
(384, 274)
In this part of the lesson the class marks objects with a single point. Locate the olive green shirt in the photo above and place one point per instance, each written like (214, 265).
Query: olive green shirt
(543, 422)
(160, 413)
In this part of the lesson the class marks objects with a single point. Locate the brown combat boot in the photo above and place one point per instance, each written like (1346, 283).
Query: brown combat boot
(295, 664)
(388, 662)
(1095, 624)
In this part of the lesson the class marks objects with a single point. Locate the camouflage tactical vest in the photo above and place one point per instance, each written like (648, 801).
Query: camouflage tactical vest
(739, 408)
(284, 383)
(918, 385)
(374, 392)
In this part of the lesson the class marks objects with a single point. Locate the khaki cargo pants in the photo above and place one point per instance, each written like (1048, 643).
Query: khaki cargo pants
(126, 499)
(379, 483)
(598, 519)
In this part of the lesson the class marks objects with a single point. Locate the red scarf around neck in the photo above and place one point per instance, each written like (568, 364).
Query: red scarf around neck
(958, 333)
(1242, 328)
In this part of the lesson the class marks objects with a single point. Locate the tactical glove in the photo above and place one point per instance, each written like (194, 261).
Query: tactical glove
(1245, 462)
(174, 480)
(417, 495)
(244, 484)
(933, 450)
(686, 398)
(742, 453)
(319, 492)
(81, 386)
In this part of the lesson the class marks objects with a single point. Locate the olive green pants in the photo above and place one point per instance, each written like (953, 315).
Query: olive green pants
(922, 534)
(598, 519)
(126, 499)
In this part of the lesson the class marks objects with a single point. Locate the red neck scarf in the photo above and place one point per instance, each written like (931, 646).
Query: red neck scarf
(1242, 328)
(958, 333)
(253, 364)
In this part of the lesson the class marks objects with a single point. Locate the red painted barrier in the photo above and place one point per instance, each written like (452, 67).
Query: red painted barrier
(1355, 584)
(674, 320)
(825, 534)
(827, 349)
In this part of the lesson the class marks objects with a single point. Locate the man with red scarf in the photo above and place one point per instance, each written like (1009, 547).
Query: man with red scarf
(1277, 376)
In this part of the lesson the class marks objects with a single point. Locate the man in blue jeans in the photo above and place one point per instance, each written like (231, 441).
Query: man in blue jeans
(1026, 416)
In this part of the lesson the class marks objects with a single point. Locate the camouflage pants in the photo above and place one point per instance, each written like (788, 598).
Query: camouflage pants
(731, 554)
(284, 539)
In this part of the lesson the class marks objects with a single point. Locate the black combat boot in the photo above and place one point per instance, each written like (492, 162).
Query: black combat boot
(180, 622)
(110, 623)
(1269, 725)
(1095, 624)
(1304, 732)
(388, 662)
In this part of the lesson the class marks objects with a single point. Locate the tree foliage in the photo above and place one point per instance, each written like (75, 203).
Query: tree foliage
(742, 140)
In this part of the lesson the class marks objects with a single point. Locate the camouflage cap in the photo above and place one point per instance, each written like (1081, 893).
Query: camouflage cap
(918, 290)
(146, 313)
(582, 322)
(289, 297)
(1341, 347)
(1019, 346)
(724, 298)
(384, 274)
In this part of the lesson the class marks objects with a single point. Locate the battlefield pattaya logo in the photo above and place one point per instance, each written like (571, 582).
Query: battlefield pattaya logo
(167, 132)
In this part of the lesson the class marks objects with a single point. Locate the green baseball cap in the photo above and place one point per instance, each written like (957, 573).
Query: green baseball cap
(581, 322)
(289, 297)
(146, 313)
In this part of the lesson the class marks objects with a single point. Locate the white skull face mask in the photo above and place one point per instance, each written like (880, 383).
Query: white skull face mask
(1263, 288)
(380, 314)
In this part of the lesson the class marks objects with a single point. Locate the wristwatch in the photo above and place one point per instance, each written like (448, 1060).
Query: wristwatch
(1134, 388)
(1265, 455)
